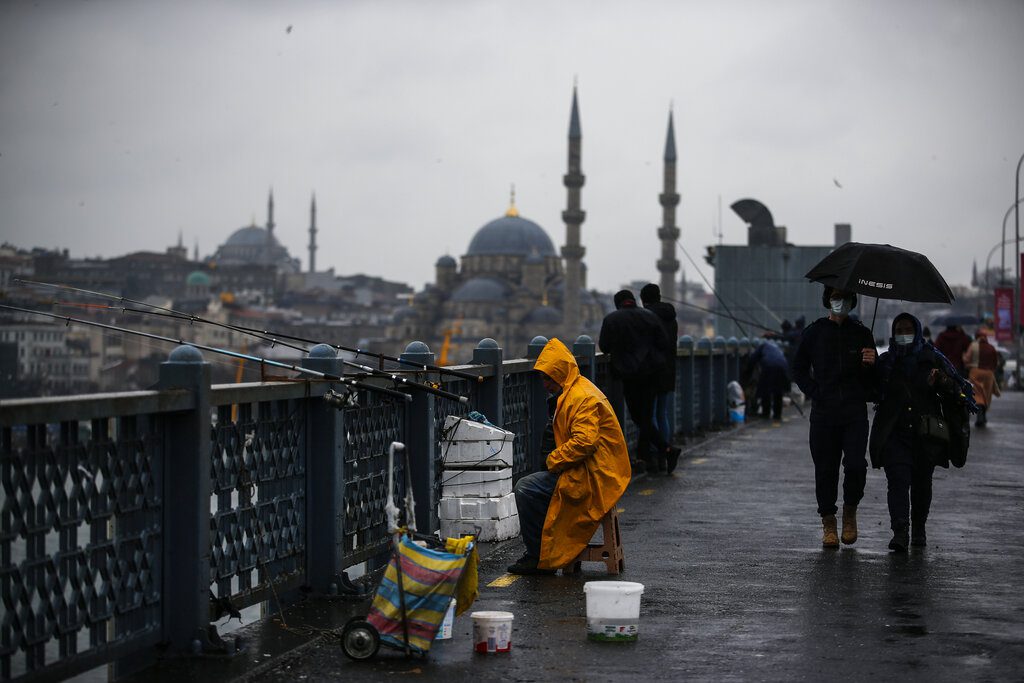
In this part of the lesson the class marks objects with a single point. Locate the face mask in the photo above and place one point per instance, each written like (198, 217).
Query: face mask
(904, 339)
(841, 306)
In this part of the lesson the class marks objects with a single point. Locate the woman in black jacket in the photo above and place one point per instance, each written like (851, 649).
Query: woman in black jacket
(915, 427)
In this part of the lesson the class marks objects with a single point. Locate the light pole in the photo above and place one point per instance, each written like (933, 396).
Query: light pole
(1006, 217)
(1016, 257)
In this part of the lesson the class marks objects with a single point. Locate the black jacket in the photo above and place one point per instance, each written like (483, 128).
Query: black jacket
(829, 370)
(636, 341)
(667, 317)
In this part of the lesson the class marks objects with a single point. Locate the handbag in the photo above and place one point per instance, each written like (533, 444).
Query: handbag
(933, 427)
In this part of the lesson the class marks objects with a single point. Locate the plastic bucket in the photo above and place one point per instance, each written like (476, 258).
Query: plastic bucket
(448, 623)
(613, 610)
(492, 631)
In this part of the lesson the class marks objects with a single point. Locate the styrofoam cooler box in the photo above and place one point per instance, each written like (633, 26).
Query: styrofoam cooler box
(478, 508)
(490, 529)
(477, 483)
(474, 444)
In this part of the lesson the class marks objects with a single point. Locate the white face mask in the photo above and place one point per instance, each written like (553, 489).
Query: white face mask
(904, 339)
(841, 306)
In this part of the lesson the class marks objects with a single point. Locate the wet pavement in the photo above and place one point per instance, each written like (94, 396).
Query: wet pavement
(737, 586)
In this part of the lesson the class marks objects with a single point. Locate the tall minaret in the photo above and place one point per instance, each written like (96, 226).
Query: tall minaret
(312, 235)
(668, 233)
(270, 217)
(573, 216)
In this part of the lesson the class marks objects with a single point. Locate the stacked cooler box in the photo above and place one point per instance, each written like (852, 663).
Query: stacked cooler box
(476, 482)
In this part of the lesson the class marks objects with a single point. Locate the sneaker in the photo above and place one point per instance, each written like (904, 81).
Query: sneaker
(526, 566)
(672, 459)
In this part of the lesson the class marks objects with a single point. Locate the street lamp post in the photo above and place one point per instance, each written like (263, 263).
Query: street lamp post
(1016, 257)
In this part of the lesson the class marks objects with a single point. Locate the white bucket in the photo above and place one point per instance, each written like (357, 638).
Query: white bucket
(492, 631)
(448, 624)
(613, 610)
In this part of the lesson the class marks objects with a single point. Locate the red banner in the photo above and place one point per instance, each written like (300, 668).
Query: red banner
(1003, 313)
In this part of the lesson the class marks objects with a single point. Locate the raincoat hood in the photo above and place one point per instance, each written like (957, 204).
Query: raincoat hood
(558, 363)
(914, 346)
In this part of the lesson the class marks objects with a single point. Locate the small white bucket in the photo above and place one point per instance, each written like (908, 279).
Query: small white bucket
(613, 610)
(492, 631)
(448, 624)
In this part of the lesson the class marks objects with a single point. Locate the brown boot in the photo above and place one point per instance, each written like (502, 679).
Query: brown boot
(849, 524)
(829, 537)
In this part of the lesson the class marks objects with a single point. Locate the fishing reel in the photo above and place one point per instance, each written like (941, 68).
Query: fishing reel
(341, 400)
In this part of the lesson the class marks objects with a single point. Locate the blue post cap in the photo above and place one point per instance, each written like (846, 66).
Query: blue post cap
(583, 339)
(719, 342)
(323, 351)
(704, 343)
(732, 343)
(185, 354)
(487, 343)
(417, 347)
(535, 346)
(686, 342)
(539, 341)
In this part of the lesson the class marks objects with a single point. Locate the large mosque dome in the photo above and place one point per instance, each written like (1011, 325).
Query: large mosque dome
(511, 235)
(251, 236)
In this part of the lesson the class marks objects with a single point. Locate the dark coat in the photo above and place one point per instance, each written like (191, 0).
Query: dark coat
(774, 376)
(829, 370)
(905, 395)
(667, 316)
(636, 341)
(952, 344)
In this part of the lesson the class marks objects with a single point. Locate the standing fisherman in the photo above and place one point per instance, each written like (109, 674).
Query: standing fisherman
(834, 367)
(650, 295)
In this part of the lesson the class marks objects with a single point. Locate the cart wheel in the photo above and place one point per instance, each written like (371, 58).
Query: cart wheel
(360, 639)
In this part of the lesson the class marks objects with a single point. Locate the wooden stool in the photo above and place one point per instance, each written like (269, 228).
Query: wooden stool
(608, 551)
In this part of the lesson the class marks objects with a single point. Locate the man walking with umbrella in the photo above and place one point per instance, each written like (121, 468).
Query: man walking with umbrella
(834, 367)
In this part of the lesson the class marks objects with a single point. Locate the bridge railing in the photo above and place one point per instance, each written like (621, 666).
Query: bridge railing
(129, 522)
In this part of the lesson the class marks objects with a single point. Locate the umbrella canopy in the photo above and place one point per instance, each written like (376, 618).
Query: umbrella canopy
(882, 271)
(955, 319)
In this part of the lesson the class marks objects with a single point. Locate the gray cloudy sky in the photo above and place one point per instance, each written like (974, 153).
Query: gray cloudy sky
(122, 123)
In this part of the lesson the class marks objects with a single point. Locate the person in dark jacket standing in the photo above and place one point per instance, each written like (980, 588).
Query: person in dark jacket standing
(914, 379)
(650, 295)
(773, 381)
(834, 367)
(637, 344)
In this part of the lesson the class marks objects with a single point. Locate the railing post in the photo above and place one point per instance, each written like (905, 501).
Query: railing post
(584, 347)
(186, 530)
(538, 406)
(685, 386)
(325, 483)
(702, 360)
(732, 363)
(420, 440)
(719, 364)
(487, 352)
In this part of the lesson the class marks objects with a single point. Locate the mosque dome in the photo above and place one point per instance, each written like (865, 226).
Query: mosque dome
(197, 278)
(446, 261)
(250, 236)
(402, 314)
(480, 289)
(544, 315)
(511, 235)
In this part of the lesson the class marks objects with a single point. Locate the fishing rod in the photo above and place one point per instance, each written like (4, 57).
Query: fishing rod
(177, 315)
(714, 312)
(711, 287)
(423, 367)
(225, 352)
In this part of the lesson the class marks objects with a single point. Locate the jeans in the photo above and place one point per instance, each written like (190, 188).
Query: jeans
(639, 395)
(834, 444)
(909, 478)
(533, 495)
(662, 402)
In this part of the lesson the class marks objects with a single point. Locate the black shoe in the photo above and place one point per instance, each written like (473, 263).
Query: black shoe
(527, 566)
(900, 537)
(918, 537)
(672, 459)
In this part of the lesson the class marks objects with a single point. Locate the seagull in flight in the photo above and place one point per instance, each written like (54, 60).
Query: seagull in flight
(837, 183)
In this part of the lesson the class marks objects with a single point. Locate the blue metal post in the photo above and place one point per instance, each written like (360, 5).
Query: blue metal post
(325, 483)
(487, 352)
(420, 440)
(538, 407)
(686, 417)
(186, 526)
(732, 354)
(584, 348)
(719, 405)
(702, 393)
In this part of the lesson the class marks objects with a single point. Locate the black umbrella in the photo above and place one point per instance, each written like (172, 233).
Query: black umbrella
(882, 271)
(956, 319)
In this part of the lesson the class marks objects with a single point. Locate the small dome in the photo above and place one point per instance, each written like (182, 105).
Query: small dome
(480, 289)
(250, 236)
(511, 235)
(402, 314)
(446, 261)
(544, 315)
(197, 278)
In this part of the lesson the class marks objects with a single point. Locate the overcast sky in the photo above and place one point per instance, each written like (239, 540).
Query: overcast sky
(123, 123)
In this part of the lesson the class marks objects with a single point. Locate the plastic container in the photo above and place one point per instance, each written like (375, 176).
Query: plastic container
(448, 623)
(492, 631)
(613, 610)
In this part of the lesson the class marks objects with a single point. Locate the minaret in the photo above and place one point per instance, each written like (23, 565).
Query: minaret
(270, 217)
(573, 216)
(195, 251)
(668, 233)
(312, 235)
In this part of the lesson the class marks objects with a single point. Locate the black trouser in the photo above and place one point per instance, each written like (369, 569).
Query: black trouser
(770, 388)
(833, 444)
(639, 395)
(908, 472)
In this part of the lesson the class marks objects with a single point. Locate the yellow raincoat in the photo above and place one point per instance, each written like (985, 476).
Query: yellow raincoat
(590, 457)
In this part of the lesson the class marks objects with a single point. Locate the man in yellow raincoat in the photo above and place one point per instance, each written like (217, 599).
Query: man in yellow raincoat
(561, 507)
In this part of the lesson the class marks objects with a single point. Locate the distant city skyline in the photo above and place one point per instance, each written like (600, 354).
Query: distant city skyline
(123, 124)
